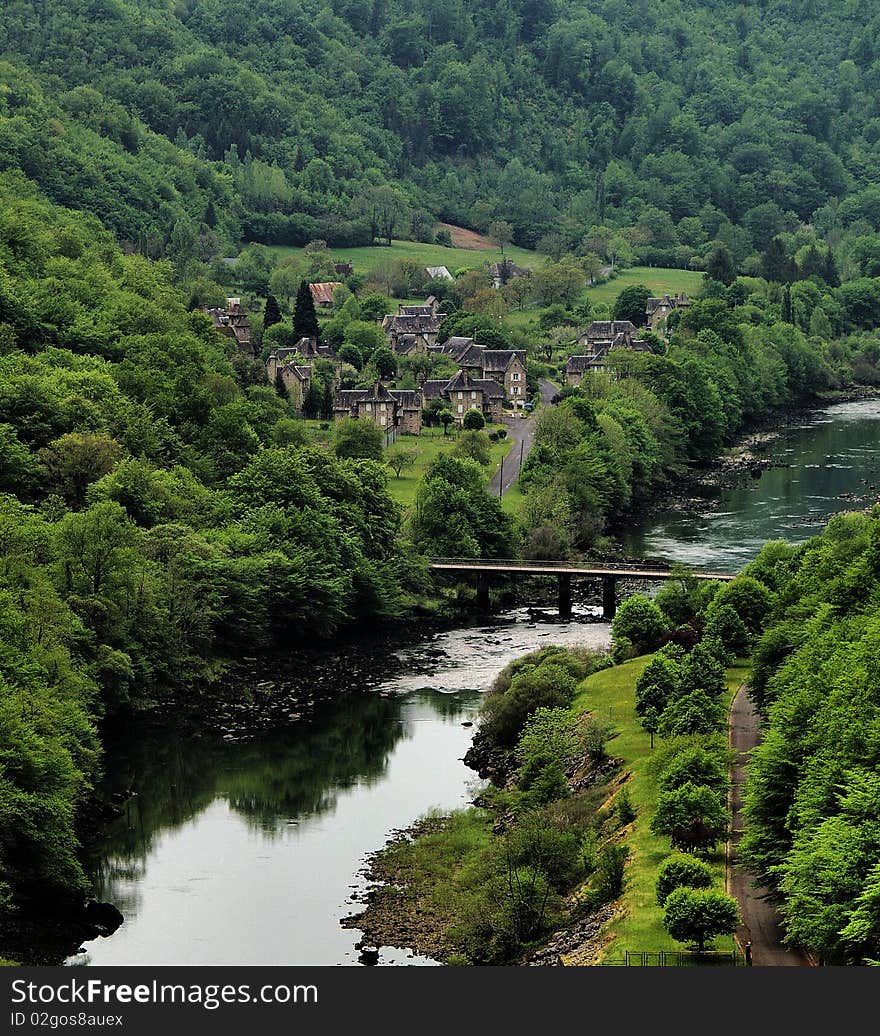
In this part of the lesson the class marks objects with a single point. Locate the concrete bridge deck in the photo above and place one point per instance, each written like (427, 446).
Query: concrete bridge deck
(564, 571)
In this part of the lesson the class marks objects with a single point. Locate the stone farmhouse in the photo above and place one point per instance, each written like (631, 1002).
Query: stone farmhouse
(233, 323)
(408, 332)
(297, 378)
(597, 341)
(463, 392)
(505, 271)
(399, 409)
(507, 367)
(657, 310)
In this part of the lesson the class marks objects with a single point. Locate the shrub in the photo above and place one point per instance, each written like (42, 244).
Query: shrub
(748, 597)
(505, 715)
(473, 420)
(356, 439)
(695, 916)
(682, 872)
(692, 816)
(623, 807)
(502, 433)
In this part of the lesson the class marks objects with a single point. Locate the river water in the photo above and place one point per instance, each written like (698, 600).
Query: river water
(250, 852)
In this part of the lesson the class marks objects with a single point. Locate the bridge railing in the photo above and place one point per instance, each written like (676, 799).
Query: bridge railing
(627, 565)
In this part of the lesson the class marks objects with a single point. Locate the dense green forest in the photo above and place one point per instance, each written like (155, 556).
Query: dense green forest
(650, 129)
(813, 797)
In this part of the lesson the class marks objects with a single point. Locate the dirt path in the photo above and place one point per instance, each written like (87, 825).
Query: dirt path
(760, 918)
(521, 431)
(462, 238)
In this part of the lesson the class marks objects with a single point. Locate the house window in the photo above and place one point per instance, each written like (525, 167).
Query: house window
(369, 408)
(473, 395)
(514, 377)
(460, 408)
(460, 396)
(383, 419)
(516, 390)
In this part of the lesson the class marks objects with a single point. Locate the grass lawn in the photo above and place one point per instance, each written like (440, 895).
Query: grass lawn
(659, 279)
(431, 444)
(610, 694)
(367, 258)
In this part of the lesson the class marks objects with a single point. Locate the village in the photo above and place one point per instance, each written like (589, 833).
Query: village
(492, 381)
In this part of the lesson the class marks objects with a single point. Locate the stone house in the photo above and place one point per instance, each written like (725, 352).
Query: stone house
(506, 367)
(233, 323)
(463, 392)
(411, 333)
(578, 366)
(344, 269)
(505, 271)
(399, 409)
(657, 310)
(297, 377)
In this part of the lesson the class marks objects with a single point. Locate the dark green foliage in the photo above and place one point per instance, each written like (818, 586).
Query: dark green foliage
(682, 872)
(272, 313)
(657, 684)
(725, 625)
(696, 916)
(543, 686)
(455, 516)
(696, 765)
(691, 713)
(630, 304)
(473, 420)
(305, 319)
(624, 808)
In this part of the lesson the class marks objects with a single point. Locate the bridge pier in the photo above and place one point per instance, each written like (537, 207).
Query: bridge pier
(564, 595)
(609, 597)
(483, 592)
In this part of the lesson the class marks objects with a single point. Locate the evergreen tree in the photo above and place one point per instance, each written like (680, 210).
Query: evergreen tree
(829, 273)
(280, 387)
(776, 264)
(813, 264)
(210, 215)
(305, 319)
(820, 325)
(272, 313)
(720, 265)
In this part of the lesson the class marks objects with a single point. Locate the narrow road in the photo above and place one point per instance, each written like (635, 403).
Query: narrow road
(521, 432)
(760, 917)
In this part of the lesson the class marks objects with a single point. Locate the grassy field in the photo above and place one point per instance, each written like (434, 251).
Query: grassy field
(610, 694)
(659, 279)
(431, 444)
(367, 259)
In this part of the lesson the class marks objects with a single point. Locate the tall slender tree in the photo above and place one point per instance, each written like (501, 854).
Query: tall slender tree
(272, 312)
(305, 319)
(327, 401)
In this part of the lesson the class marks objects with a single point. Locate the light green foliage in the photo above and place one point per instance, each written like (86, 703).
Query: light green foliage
(358, 439)
(696, 916)
(639, 621)
(682, 872)
(692, 815)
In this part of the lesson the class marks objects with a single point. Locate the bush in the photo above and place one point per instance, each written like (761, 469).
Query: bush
(623, 807)
(501, 433)
(657, 684)
(749, 598)
(473, 420)
(682, 872)
(505, 715)
(692, 816)
(695, 916)
(356, 439)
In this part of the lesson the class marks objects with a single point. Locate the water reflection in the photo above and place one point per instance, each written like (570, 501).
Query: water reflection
(249, 852)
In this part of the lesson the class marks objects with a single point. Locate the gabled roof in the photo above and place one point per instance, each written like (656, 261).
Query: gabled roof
(607, 329)
(579, 364)
(378, 394)
(438, 273)
(409, 399)
(322, 292)
(501, 359)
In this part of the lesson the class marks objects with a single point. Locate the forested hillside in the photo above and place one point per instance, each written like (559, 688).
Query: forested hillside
(677, 123)
(813, 792)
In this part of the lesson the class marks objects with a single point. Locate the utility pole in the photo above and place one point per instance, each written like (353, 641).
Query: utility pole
(522, 447)
(501, 477)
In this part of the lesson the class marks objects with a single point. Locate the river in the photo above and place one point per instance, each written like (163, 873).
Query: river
(251, 851)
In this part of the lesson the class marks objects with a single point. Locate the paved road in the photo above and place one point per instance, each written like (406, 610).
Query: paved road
(521, 431)
(760, 918)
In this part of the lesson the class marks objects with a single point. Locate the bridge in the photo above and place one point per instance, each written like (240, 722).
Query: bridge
(564, 572)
